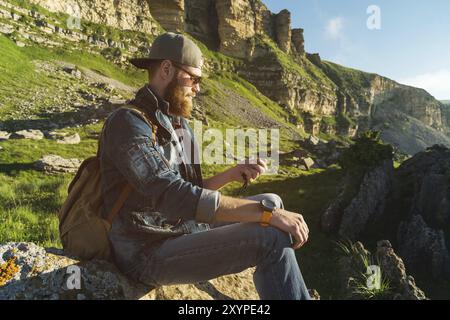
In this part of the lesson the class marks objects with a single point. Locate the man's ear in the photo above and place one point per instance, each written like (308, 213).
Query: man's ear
(166, 70)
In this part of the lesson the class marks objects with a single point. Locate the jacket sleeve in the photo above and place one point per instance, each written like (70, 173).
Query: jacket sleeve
(127, 143)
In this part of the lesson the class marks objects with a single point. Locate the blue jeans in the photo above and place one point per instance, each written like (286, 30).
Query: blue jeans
(228, 249)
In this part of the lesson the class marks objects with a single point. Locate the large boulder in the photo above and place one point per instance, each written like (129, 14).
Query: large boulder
(56, 164)
(28, 271)
(404, 286)
(423, 235)
(28, 134)
(423, 248)
(368, 205)
(351, 219)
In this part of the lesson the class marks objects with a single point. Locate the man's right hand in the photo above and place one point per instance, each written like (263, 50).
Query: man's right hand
(292, 223)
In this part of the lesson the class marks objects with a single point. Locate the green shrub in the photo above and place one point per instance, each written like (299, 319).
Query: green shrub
(367, 151)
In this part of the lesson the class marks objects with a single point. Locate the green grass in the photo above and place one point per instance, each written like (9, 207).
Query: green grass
(30, 200)
(349, 79)
(29, 204)
(361, 283)
(302, 66)
(19, 80)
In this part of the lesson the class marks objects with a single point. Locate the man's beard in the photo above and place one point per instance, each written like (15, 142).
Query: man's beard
(179, 103)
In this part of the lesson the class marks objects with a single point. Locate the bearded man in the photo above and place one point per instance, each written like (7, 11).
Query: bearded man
(175, 227)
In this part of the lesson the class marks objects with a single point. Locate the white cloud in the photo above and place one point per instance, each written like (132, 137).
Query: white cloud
(334, 27)
(437, 83)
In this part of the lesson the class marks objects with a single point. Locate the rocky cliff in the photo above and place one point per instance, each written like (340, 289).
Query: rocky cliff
(322, 96)
(409, 206)
(122, 14)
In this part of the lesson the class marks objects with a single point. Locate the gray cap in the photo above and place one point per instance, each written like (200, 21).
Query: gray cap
(175, 47)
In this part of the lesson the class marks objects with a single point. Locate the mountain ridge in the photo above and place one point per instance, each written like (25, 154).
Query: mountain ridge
(322, 96)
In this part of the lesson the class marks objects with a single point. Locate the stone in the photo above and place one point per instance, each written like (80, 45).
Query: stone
(57, 164)
(312, 140)
(4, 135)
(28, 134)
(72, 70)
(368, 205)
(72, 139)
(308, 162)
(423, 233)
(47, 274)
(424, 249)
(314, 294)
(20, 44)
(394, 270)
(6, 29)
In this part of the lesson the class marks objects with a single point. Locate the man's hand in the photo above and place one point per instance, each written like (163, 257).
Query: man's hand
(292, 223)
(247, 172)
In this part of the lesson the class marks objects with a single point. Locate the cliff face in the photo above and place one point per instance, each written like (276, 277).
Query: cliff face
(325, 96)
(123, 14)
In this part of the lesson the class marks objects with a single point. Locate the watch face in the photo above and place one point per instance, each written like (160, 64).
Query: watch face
(268, 205)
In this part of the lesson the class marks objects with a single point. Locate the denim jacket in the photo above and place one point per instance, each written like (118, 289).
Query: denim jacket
(168, 198)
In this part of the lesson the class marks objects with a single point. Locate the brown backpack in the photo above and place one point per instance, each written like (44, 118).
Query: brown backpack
(83, 230)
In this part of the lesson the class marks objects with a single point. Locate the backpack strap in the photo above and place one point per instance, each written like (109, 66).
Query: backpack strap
(120, 202)
(128, 188)
(144, 117)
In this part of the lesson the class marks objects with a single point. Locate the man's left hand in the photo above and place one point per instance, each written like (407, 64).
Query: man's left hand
(248, 172)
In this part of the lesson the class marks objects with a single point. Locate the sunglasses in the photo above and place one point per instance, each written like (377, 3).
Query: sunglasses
(195, 79)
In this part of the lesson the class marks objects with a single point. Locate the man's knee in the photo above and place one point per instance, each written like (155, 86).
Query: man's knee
(276, 239)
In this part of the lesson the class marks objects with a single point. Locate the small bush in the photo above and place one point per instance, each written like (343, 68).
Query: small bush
(367, 151)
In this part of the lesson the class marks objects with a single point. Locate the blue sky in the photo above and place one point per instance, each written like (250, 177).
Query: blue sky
(412, 45)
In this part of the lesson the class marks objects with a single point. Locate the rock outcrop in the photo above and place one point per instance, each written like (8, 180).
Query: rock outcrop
(424, 234)
(424, 248)
(236, 28)
(169, 13)
(351, 220)
(124, 14)
(353, 273)
(298, 41)
(202, 22)
(391, 264)
(28, 271)
(410, 207)
(368, 205)
(283, 30)
(28, 134)
(56, 164)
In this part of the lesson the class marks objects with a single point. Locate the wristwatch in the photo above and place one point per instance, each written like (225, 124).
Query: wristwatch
(268, 207)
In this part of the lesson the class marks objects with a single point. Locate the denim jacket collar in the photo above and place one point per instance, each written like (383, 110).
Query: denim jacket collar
(157, 109)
